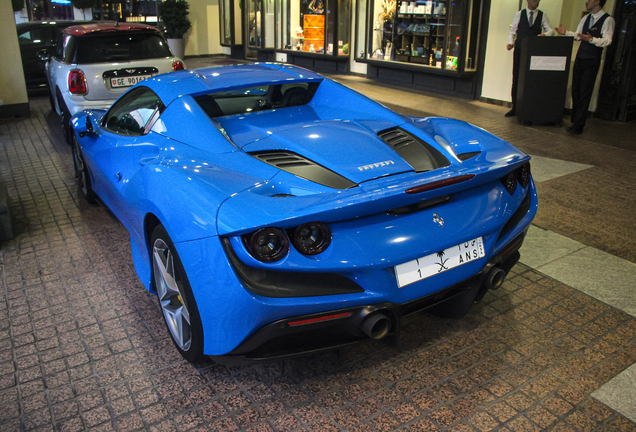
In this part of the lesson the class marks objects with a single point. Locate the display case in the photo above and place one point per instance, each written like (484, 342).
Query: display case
(436, 34)
(315, 26)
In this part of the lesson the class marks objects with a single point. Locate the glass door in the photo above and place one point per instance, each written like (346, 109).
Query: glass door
(253, 30)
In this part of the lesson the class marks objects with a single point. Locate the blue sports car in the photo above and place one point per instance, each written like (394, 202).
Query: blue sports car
(275, 212)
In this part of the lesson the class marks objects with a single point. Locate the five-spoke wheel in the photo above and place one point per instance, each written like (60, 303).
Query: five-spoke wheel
(175, 297)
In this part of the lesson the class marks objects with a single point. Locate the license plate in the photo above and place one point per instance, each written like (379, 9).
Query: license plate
(439, 262)
(127, 81)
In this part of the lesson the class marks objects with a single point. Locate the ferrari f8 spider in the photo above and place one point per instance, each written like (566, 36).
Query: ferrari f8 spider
(275, 211)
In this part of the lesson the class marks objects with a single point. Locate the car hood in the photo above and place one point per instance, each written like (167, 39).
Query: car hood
(345, 147)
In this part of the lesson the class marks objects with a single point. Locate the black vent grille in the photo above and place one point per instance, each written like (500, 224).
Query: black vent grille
(465, 156)
(517, 216)
(302, 167)
(417, 153)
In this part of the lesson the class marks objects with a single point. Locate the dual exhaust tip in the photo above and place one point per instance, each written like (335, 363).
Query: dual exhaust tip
(377, 324)
(495, 278)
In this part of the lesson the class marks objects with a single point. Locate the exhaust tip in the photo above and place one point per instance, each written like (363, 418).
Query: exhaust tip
(376, 326)
(495, 278)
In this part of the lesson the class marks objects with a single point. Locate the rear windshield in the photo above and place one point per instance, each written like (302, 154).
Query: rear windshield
(261, 98)
(120, 47)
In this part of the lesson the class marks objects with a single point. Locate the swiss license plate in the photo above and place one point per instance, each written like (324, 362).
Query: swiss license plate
(439, 262)
(127, 81)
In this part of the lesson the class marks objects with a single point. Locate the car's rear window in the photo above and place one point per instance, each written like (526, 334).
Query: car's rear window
(261, 98)
(120, 47)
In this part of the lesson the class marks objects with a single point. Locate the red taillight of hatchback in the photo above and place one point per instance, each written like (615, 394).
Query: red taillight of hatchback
(77, 82)
(177, 65)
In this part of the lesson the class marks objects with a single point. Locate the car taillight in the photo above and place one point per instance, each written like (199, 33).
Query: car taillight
(77, 82)
(510, 182)
(176, 66)
(523, 175)
(267, 244)
(312, 238)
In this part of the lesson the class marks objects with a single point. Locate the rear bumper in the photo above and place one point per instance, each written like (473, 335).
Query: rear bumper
(76, 104)
(323, 331)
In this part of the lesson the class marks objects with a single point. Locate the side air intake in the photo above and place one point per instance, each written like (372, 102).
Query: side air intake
(416, 152)
(302, 167)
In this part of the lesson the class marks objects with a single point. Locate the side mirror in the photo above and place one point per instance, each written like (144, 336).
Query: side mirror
(83, 128)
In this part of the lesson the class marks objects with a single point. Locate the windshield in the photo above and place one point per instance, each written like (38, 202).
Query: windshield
(120, 47)
(261, 98)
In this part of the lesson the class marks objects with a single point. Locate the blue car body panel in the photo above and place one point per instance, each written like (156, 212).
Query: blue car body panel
(200, 177)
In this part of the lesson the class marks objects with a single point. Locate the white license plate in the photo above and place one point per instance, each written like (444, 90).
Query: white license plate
(127, 81)
(439, 262)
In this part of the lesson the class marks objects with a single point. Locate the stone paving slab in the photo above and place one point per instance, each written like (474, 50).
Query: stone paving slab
(83, 345)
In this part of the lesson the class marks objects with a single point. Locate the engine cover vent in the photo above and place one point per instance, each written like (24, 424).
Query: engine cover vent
(416, 152)
(302, 167)
(465, 156)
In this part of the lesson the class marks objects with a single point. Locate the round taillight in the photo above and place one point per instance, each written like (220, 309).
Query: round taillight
(178, 65)
(312, 238)
(523, 175)
(510, 182)
(268, 244)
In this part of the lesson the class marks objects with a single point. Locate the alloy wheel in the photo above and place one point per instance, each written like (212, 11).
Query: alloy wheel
(171, 296)
(79, 167)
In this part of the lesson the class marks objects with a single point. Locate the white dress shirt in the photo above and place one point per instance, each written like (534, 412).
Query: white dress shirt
(545, 24)
(607, 31)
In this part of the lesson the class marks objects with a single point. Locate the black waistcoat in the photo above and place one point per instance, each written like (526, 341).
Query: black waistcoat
(588, 50)
(524, 30)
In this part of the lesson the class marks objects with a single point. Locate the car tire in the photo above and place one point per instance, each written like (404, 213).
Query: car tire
(82, 173)
(176, 300)
(65, 118)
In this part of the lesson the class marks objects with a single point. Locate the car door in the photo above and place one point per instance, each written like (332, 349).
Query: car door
(36, 42)
(111, 155)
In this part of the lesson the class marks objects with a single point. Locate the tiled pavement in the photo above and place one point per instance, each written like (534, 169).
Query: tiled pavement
(83, 345)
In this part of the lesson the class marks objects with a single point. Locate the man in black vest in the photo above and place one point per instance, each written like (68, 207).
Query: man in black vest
(595, 31)
(527, 22)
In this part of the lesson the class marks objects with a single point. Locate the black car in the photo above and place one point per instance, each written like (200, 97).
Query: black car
(37, 39)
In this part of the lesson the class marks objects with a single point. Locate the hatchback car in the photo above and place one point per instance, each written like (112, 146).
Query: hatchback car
(275, 211)
(94, 64)
(37, 41)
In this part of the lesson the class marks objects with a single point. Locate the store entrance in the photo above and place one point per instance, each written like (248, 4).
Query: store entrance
(251, 28)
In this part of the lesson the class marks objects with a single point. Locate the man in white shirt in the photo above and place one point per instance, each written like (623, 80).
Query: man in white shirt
(527, 22)
(595, 31)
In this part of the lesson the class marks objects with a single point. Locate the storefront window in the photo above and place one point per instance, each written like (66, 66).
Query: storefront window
(129, 11)
(226, 22)
(472, 47)
(43, 10)
(344, 20)
(430, 33)
(314, 26)
(361, 32)
(269, 24)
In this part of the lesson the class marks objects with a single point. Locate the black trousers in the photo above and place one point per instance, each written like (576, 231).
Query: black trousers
(583, 80)
(516, 60)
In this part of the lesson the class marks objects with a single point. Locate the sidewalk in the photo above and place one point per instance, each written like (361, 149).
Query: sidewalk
(83, 345)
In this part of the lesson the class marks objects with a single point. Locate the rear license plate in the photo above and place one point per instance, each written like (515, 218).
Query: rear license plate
(439, 262)
(127, 81)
